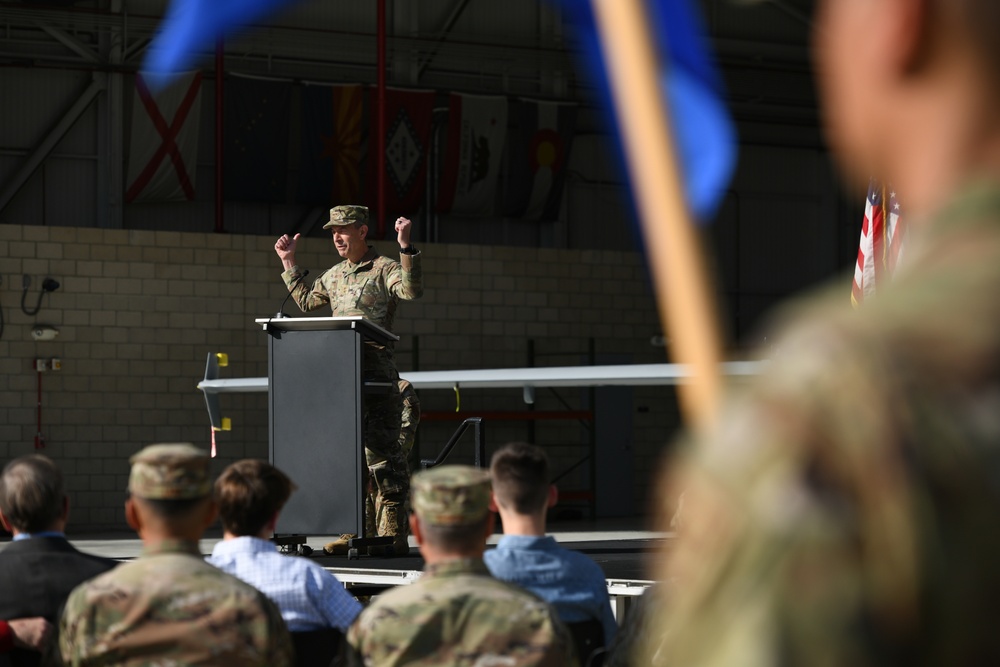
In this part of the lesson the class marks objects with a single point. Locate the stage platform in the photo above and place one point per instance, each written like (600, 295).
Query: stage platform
(622, 548)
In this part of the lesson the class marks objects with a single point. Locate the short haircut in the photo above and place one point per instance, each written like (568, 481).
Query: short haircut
(171, 509)
(32, 495)
(456, 539)
(520, 475)
(249, 493)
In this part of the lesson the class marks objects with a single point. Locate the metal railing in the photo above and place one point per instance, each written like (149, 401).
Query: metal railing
(478, 438)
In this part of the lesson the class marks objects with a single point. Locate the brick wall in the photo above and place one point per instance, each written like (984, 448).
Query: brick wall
(138, 311)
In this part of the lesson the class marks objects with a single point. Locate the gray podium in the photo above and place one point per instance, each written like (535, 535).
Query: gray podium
(316, 393)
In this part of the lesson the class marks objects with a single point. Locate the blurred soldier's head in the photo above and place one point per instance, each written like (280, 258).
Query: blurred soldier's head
(32, 496)
(910, 91)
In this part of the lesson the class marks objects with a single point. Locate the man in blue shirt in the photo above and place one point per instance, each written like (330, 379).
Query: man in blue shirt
(570, 581)
(250, 494)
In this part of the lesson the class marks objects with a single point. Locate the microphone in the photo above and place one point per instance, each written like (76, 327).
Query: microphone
(281, 311)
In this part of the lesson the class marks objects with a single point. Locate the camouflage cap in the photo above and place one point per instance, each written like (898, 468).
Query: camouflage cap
(170, 471)
(451, 495)
(341, 216)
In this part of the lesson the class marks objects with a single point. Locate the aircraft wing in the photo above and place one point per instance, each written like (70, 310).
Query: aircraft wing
(490, 378)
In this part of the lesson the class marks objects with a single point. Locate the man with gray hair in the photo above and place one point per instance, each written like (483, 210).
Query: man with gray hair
(40, 568)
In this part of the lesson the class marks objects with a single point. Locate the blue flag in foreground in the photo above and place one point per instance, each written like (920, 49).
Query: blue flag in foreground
(193, 26)
(703, 131)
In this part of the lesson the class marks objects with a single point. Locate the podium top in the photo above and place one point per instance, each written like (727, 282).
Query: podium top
(358, 323)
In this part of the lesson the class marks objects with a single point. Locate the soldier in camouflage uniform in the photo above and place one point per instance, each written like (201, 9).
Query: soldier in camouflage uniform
(410, 420)
(169, 606)
(369, 285)
(410, 417)
(456, 613)
(843, 509)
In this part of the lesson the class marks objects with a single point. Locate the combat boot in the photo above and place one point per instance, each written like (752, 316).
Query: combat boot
(338, 547)
(392, 523)
(399, 547)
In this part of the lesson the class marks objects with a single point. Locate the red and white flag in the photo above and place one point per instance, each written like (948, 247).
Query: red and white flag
(163, 149)
(409, 115)
(883, 240)
(477, 127)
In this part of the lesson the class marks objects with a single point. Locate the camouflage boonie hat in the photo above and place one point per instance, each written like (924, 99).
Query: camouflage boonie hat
(341, 216)
(451, 495)
(173, 471)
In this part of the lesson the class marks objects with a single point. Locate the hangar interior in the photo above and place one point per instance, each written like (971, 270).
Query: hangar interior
(148, 287)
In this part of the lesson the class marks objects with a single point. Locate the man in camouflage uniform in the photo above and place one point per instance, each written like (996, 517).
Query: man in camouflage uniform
(456, 613)
(410, 417)
(410, 420)
(843, 509)
(169, 606)
(369, 285)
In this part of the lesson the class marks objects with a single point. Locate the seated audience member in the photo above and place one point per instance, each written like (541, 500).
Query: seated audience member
(27, 633)
(570, 581)
(456, 613)
(40, 568)
(169, 606)
(250, 494)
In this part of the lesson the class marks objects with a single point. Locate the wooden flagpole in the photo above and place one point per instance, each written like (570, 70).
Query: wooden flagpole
(686, 304)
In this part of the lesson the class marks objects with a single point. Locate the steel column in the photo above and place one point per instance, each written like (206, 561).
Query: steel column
(380, 124)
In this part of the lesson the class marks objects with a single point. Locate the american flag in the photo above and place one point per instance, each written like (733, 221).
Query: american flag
(882, 242)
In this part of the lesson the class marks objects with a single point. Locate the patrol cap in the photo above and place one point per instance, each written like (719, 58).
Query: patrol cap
(350, 214)
(451, 495)
(170, 471)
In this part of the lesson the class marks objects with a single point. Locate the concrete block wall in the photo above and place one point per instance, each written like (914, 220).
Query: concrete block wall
(138, 311)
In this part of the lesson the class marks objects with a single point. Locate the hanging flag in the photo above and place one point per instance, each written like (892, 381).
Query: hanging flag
(163, 146)
(408, 118)
(541, 136)
(883, 240)
(191, 27)
(477, 126)
(256, 139)
(703, 130)
(334, 137)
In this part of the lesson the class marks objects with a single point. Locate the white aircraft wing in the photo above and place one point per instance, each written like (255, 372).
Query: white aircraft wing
(491, 378)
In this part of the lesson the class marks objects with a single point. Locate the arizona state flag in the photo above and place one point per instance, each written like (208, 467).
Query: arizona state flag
(477, 127)
(334, 134)
(541, 136)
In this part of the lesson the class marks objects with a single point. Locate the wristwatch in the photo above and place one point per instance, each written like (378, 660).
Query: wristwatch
(408, 250)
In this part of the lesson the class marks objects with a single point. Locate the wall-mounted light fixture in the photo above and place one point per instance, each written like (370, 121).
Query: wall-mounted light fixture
(44, 332)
